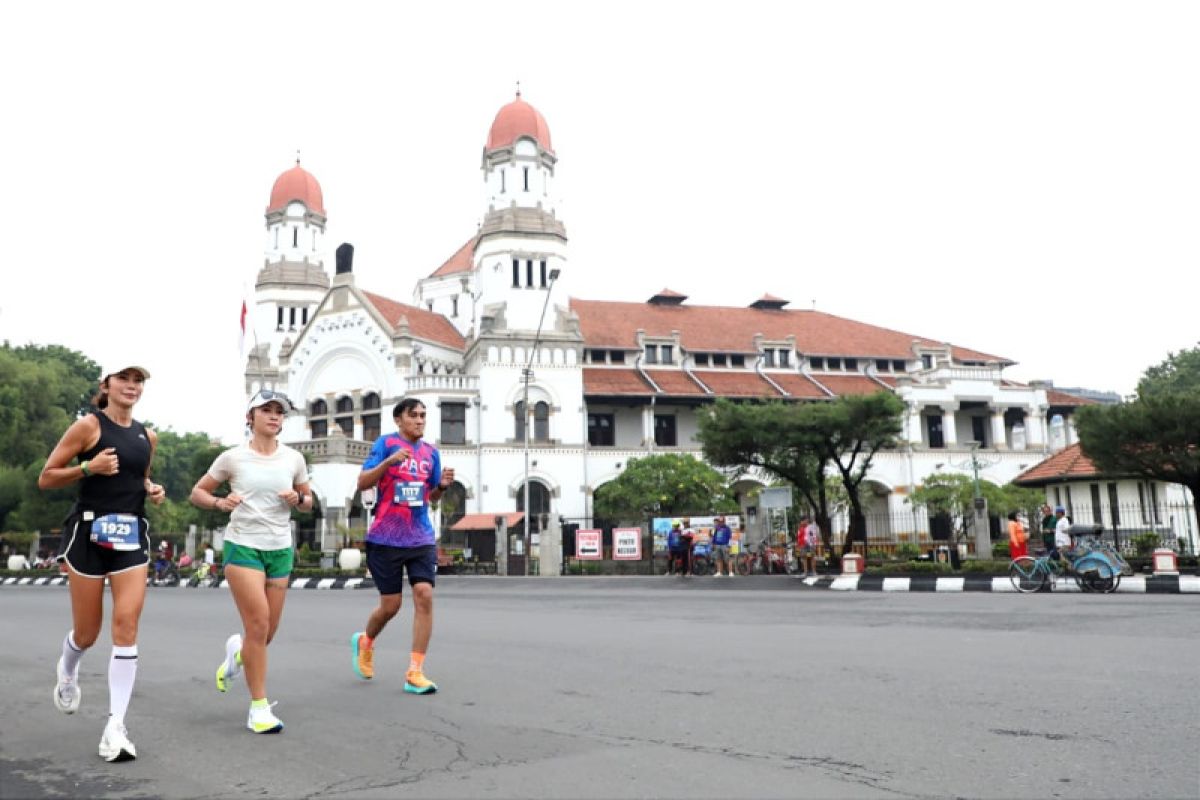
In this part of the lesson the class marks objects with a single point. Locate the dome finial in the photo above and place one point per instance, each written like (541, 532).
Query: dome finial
(297, 157)
(518, 88)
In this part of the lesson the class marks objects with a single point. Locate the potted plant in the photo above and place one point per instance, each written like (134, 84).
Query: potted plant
(350, 557)
(20, 544)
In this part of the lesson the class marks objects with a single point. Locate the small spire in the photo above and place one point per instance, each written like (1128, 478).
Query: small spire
(297, 157)
(518, 88)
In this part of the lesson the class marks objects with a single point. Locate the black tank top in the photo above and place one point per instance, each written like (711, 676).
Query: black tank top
(124, 492)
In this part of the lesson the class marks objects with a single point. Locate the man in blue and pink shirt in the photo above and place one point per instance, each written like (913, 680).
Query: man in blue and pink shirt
(407, 473)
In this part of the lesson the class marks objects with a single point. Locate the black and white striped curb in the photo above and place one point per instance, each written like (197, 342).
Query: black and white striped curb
(297, 583)
(1137, 584)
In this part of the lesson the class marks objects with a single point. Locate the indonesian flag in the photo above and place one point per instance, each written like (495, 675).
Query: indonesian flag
(242, 339)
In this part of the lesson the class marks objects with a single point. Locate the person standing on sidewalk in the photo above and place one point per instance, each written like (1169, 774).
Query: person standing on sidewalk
(1048, 522)
(720, 541)
(1017, 538)
(407, 473)
(687, 538)
(106, 536)
(267, 479)
(675, 547)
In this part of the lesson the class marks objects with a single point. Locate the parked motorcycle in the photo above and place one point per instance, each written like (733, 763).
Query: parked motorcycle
(165, 573)
(203, 576)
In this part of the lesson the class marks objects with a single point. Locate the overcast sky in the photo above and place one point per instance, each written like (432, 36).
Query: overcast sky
(1017, 178)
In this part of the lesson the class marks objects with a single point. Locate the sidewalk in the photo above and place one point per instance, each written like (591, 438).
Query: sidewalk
(1136, 584)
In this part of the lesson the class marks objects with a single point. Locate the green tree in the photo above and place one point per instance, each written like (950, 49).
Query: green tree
(42, 390)
(663, 485)
(800, 442)
(1157, 435)
(856, 428)
(780, 439)
(1178, 374)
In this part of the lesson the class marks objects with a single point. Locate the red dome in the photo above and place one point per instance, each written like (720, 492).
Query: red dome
(515, 120)
(297, 184)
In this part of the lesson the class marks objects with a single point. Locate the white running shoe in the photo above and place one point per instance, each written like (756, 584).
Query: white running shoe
(115, 744)
(263, 720)
(66, 692)
(231, 667)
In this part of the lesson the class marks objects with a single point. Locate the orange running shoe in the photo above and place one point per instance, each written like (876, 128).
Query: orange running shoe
(415, 682)
(364, 657)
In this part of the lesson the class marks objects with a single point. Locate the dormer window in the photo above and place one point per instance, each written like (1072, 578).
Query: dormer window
(737, 361)
(851, 364)
(701, 359)
(817, 362)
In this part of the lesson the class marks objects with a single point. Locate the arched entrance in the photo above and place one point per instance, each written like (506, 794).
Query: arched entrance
(539, 507)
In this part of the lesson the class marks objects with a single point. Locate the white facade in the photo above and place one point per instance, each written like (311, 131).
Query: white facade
(345, 359)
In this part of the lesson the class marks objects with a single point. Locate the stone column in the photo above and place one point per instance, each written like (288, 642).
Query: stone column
(998, 439)
(915, 434)
(1035, 427)
(550, 547)
(501, 545)
(949, 424)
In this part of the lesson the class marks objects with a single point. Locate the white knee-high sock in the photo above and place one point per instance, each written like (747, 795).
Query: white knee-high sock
(122, 669)
(71, 654)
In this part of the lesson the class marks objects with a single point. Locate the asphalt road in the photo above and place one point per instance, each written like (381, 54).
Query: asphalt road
(630, 688)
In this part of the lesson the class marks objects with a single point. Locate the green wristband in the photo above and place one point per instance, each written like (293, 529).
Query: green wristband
(83, 468)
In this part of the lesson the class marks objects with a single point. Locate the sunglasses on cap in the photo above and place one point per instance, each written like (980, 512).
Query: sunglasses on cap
(264, 396)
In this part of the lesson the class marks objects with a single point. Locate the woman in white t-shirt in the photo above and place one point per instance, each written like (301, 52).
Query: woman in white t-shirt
(267, 479)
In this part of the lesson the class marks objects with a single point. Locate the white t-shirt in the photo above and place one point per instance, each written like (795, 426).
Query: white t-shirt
(263, 519)
(1061, 536)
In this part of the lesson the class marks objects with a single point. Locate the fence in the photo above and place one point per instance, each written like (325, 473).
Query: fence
(1127, 526)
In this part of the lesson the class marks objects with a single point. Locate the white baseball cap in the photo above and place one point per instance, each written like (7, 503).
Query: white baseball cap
(264, 396)
(116, 370)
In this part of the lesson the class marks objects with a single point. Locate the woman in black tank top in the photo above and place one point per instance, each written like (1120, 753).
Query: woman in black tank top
(106, 535)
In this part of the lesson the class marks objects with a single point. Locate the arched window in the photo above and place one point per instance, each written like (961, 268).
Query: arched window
(370, 417)
(541, 422)
(345, 405)
(539, 503)
(317, 408)
(519, 419)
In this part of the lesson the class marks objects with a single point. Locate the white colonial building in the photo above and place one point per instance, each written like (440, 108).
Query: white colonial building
(608, 381)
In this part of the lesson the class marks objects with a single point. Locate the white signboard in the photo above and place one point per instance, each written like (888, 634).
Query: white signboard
(776, 497)
(587, 545)
(627, 544)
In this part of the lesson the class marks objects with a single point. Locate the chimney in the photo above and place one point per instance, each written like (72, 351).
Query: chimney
(345, 258)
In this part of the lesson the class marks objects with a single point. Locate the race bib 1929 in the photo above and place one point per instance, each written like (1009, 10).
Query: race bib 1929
(117, 532)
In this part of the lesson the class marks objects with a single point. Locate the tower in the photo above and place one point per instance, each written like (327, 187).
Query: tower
(293, 278)
(521, 240)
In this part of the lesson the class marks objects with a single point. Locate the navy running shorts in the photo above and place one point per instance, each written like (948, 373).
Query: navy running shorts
(387, 565)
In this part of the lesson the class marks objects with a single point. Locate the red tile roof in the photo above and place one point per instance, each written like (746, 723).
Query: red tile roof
(297, 183)
(515, 120)
(461, 261)
(1067, 464)
(598, 381)
(675, 382)
(737, 384)
(732, 330)
(486, 522)
(1057, 398)
(421, 323)
(849, 384)
(799, 386)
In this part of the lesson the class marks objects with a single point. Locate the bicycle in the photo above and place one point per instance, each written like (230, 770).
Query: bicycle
(1029, 574)
(1099, 567)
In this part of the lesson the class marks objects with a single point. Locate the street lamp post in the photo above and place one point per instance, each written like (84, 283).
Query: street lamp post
(527, 376)
(983, 538)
